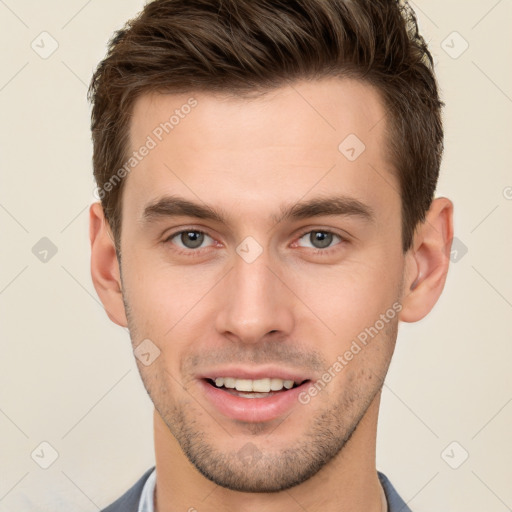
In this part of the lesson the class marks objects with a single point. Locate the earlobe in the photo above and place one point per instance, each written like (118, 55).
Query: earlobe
(105, 266)
(427, 262)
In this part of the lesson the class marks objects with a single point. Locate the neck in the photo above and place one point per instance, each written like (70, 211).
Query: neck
(349, 482)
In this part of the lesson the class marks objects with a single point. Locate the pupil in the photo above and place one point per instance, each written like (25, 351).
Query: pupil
(192, 239)
(322, 238)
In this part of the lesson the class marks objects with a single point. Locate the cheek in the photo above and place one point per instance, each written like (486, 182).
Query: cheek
(351, 297)
(363, 360)
(159, 294)
(348, 297)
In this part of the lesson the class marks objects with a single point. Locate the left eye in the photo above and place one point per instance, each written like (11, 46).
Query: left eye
(189, 239)
(320, 239)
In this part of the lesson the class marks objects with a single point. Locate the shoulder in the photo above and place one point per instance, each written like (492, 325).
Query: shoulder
(395, 502)
(129, 501)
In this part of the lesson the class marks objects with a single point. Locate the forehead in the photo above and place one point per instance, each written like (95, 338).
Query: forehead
(271, 148)
(319, 110)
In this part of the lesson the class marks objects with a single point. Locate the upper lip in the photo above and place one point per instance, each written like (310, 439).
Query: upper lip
(261, 372)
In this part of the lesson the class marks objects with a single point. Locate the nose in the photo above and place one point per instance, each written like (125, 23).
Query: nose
(255, 302)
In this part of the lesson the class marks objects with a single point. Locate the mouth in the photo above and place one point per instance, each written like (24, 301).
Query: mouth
(252, 400)
(254, 388)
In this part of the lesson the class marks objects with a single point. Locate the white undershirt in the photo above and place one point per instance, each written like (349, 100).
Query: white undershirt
(147, 501)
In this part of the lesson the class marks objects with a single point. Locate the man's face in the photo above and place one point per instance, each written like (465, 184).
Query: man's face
(254, 296)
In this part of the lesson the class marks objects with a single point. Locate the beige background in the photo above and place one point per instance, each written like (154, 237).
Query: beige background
(67, 374)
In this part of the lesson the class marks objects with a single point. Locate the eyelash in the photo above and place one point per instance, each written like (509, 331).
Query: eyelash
(328, 250)
(197, 252)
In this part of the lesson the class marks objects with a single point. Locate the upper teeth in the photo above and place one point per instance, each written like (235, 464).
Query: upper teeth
(258, 385)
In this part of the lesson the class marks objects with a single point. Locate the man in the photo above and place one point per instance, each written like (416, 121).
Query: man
(267, 173)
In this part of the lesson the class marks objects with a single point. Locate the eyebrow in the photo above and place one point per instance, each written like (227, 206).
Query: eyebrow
(173, 206)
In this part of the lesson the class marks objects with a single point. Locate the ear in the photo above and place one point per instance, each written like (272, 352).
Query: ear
(427, 261)
(105, 271)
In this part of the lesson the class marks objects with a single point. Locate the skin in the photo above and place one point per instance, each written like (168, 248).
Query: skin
(294, 305)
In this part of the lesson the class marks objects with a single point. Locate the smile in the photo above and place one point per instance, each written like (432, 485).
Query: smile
(252, 400)
(252, 388)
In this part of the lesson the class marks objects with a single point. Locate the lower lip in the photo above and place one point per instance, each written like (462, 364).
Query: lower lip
(252, 410)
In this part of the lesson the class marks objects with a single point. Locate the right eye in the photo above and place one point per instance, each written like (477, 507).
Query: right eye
(188, 239)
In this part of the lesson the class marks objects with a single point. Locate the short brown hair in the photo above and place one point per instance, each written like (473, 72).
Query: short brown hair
(245, 45)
